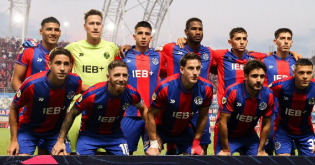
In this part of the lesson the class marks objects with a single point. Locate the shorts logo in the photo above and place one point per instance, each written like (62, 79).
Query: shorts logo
(223, 100)
(106, 55)
(277, 145)
(198, 100)
(18, 93)
(155, 61)
(125, 106)
(311, 101)
(153, 96)
(70, 94)
(262, 106)
(205, 56)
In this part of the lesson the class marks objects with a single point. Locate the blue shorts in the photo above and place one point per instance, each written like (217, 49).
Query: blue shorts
(28, 141)
(133, 128)
(248, 144)
(114, 144)
(183, 141)
(283, 142)
(206, 136)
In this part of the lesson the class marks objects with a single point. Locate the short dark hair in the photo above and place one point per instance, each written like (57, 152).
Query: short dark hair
(254, 64)
(189, 56)
(58, 51)
(143, 24)
(117, 63)
(282, 30)
(192, 20)
(237, 30)
(303, 62)
(48, 20)
(92, 12)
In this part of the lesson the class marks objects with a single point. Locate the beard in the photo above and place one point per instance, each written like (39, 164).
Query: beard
(255, 87)
(118, 88)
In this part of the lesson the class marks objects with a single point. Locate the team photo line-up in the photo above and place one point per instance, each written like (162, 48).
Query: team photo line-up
(93, 97)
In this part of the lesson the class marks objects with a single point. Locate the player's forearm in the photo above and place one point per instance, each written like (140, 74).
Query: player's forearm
(264, 134)
(201, 124)
(67, 123)
(151, 126)
(16, 83)
(223, 133)
(13, 120)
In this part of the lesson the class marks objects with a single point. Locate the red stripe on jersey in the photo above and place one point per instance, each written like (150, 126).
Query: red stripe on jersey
(168, 55)
(56, 102)
(184, 106)
(162, 104)
(47, 60)
(112, 110)
(283, 68)
(87, 104)
(29, 63)
(143, 82)
(298, 103)
(26, 116)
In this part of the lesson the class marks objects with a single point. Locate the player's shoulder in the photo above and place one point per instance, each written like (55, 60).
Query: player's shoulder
(170, 81)
(283, 82)
(74, 77)
(34, 79)
(108, 43)
(130, 89)
(204, 81)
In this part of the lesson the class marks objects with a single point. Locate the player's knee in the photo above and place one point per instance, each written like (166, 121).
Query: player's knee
(284, 154)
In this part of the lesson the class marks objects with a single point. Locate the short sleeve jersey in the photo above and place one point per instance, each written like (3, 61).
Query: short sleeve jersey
(102, 112)
(91, 61)
(295, 106)
(34, 59)
(245, 111)
(144, 70)
(178, 105)
(173, 53)
(45, 105)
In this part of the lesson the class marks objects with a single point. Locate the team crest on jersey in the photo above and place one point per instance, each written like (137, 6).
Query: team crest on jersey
(125, 106)
(128, 60)
(223, 100)
(277, 145)
(292, 67)
(155, 61)
(311, 101)
(106, 55)
(153, 96)
(18, 93)
(205, 56)
(70, 95)
(262, 106)
(198, 100)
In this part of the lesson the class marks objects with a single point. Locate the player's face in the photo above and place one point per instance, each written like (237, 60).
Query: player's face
(303, 76)
(255, 79)
(93, 27)
(50, 33)
(143, 37)
(118, 78)
(283, 42)
(191, 71)
(194, 32)
(60, 67)
(238, 42)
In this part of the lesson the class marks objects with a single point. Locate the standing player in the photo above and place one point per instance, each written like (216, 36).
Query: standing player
(296, 99)
(242, 105)
(34, 59)
(175, 101)
(145, 65)
(46, 97)
(103, 106)
(279, 65)
(91, 58)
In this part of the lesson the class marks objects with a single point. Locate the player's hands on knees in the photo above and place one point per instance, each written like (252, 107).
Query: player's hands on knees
(59, 149)
(262, 153)
(181, 42)
(224, 153)
(13, 148)
(196, 148)
(313, 150)
(154, 148)
(122, 49)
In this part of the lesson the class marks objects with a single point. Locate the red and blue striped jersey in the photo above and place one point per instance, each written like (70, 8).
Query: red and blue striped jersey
(35, 59)
(144, 70)
(245, 111)
(231, 68)
(278, 68)
(178, 105)
(295, 106)
(45, 105)
(173, 53)
(102, 112)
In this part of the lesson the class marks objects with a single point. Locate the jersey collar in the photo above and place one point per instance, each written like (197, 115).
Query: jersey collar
(247, 96)
(279, 59)
(51, 85)
(189, 50)
(44, 50)
(139, 53)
